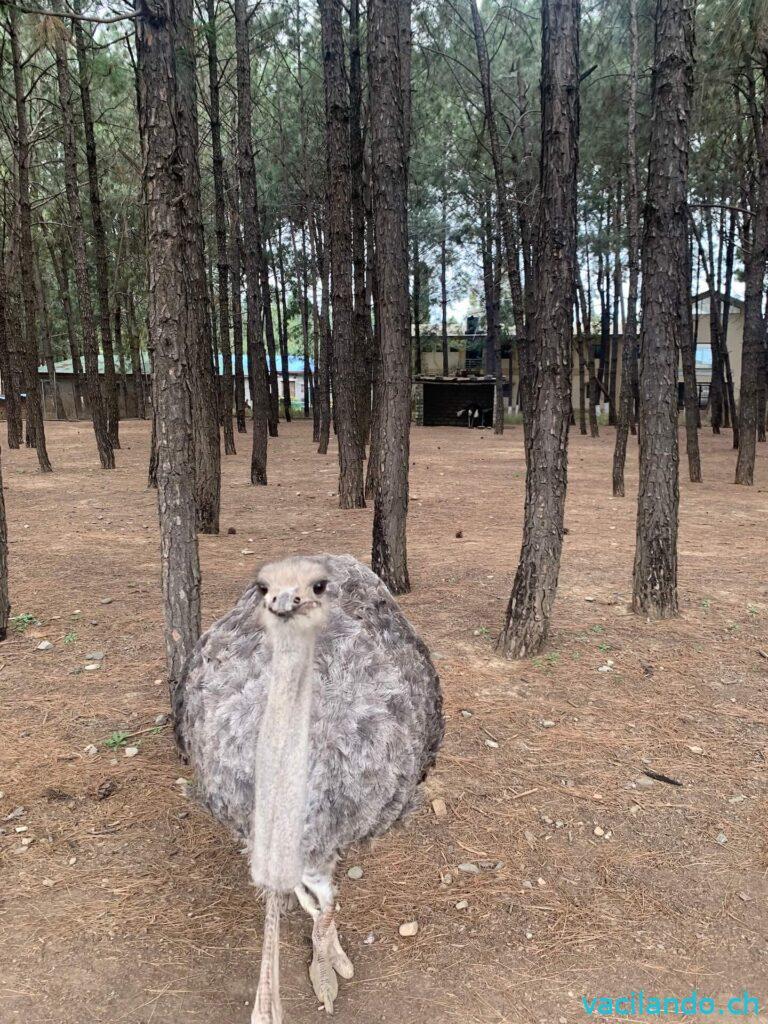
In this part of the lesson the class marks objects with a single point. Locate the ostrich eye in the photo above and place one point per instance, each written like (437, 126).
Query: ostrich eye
(319, 587)
(263, 589)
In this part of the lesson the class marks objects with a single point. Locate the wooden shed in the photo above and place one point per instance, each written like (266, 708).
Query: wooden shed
(444, 401)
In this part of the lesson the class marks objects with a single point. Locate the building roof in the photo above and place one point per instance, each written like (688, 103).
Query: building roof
(295, 365)
(703, 297)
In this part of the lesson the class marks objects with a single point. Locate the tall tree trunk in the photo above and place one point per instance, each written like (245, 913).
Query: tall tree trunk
(361, 320)
(533, 592)
(444, 282)
(121, 353)
(716, 389)
(378, 391)
(35, 425)
(506, 224)
(138, 376)
(592, 383)
(173, 330)
(283, 326)
(235, 275)
(338, 198)
(220, 216)
(61, 271)
(629, 340)
(665, 253)
(12, 396)
(269, 327)
(251, 231)
(325, 347)
(45, 321)
(205, 405)
(617, 279)
(688, 358)
(389, 67)
(754, 325)
(5, 604)
(77, 235)
(498, 396)
(99, 235)
(583, 387)
(416, 306)
(302, 288)
(729, 254)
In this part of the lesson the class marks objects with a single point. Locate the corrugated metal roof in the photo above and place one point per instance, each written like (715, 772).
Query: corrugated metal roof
(295, 365)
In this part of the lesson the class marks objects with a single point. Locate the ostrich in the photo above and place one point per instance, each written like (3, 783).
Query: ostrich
(311, 713)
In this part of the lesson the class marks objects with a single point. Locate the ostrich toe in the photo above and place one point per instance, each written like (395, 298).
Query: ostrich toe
(328, 960)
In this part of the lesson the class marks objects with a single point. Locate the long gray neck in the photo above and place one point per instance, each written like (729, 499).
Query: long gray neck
(282, 764)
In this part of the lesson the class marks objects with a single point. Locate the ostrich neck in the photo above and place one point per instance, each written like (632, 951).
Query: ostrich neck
(282, 763)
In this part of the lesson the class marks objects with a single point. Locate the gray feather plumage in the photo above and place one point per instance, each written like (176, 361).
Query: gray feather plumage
(376, 719)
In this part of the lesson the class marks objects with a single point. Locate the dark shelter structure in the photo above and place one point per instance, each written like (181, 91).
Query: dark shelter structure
(447, 401)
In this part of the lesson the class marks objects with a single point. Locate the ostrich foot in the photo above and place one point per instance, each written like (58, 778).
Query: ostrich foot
(328, 960)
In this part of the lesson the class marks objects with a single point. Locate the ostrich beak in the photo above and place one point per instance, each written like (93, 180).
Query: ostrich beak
(285, 603)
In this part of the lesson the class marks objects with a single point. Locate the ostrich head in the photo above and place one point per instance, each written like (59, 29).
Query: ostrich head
(295, 598)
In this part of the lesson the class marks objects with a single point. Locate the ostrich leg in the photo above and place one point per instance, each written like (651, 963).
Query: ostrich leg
(316, 895)
(267, 1008)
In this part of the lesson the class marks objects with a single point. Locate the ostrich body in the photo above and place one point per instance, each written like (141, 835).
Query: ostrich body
(311, 713)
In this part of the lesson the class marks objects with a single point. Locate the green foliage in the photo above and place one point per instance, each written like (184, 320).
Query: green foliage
(22, 622)
(117, 739)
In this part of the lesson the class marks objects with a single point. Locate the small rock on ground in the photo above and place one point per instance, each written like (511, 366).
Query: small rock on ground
(438, 806)
(408, 929)
(355, 872)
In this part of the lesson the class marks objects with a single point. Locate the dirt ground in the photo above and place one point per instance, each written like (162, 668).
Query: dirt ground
(121, 902)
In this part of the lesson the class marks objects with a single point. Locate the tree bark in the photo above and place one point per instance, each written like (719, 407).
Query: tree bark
(269, 327)
(444, 282)
(688, 358)
(138, 376)
(504, 215)
(325, 348)
(283, 329)
(235, 280)
(173, 329)
(729, 254)
(664, 258)
(346, 350)
(99, 234)
(77, 236)
(251, 231)
(35, 425)
(583, 387)
(45, 321)
(361, 320)
(12, 396)
(533, 592)
(61, 270)
(416, 270)
(220, 217)
(617, 279)
(389, 61)
(205, 405)
(629, 340)
(752, 354)
(5, 604)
